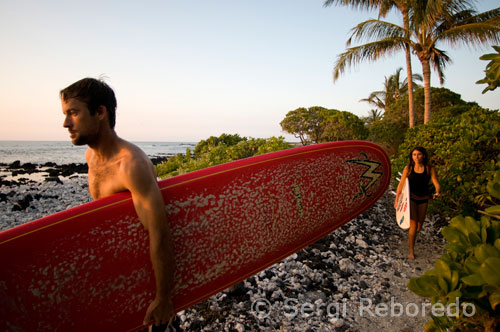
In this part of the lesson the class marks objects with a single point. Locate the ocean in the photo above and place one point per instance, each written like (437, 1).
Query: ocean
(64, 152)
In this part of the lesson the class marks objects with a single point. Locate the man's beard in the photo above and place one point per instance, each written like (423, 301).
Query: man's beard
(81, 140)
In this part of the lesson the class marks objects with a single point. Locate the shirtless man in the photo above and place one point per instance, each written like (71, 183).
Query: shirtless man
(116, 165)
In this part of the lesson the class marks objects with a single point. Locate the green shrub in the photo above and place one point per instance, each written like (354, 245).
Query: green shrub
(469, 271)
(219, 150)
(389, 132)
(318, 124)
(463, 148)
(442, 100)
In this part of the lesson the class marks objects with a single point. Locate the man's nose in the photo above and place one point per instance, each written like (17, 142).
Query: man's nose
(67, 122)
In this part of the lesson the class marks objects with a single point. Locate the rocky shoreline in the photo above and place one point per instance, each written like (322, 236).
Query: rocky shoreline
(337, 284)
(32, 191)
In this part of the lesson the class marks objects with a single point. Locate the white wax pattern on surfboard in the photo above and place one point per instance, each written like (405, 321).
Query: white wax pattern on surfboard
(403, 207)
(253, 203)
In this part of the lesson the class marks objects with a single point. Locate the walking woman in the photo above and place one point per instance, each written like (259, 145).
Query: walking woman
(419, 172)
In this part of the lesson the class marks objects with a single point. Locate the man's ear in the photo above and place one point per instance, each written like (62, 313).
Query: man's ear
(102, 112)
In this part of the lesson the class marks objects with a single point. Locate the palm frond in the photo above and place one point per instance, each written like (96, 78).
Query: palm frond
(431, 12)
(471, 35)
(493, 14)
(371, 30)
(439, 60)
(370, 51)
(374, 100)
(361, 4)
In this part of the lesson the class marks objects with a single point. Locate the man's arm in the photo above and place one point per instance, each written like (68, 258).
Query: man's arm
(139, 179)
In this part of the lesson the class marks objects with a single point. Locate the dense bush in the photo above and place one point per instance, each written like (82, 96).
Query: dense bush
(442, 100)
(463, 148)
(391, 130)
(318, 124)
(388, 134)
(469, 274)
(342, 125)
(218, 150)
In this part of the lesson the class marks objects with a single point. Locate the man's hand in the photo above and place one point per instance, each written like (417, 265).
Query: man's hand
(159, 311)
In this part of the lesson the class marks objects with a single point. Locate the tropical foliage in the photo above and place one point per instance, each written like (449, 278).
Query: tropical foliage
(384, 6)
(444, 102)
(390, 131)
(464, 148)
(373, 116)
(492, 70)
(394, 88)
(430, 23)
(469, 273)
(218, 150)
(319, 124)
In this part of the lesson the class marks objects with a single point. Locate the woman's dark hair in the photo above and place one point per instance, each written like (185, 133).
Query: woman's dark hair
(94, 93)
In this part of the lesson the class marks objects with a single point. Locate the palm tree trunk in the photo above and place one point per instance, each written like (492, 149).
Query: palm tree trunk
(426, 69)
(409, 74)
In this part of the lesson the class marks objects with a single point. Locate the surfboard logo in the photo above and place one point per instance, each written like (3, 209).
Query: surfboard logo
(401, 221)
(370, 173)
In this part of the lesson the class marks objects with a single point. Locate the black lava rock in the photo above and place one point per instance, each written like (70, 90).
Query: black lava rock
(22, 204)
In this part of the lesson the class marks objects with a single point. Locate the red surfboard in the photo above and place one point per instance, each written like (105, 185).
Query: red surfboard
(88, 268)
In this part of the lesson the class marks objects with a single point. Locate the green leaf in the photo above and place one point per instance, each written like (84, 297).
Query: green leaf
(452, 296)
(455, 248)
(466, 225)
(490, 271)
(484, 234)
(495, 210)
(453, 235)
(484, 251)
(493, 189)
(442, 269)
(473, 280)
(475, 239)
(497, 244)
(425, 286)
(443, 285)
(455, 278)
(485, 222)
(472, 265)
(472, 225)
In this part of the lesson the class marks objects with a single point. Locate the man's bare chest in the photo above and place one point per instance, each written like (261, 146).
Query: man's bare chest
(104, 181)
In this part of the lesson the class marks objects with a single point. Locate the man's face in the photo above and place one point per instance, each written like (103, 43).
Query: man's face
(83, 127)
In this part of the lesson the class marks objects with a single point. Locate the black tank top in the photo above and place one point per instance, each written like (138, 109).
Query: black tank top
(419, 182)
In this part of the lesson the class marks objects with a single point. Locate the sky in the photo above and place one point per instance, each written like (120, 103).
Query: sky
(187, 70)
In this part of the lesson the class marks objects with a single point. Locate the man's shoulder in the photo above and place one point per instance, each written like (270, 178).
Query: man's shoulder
(132, 158)
(136, 170)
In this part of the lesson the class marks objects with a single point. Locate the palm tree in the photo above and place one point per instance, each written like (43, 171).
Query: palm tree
(384, 7)
(373, 116)
(404, 7)
(430, 22)
(393, 89)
